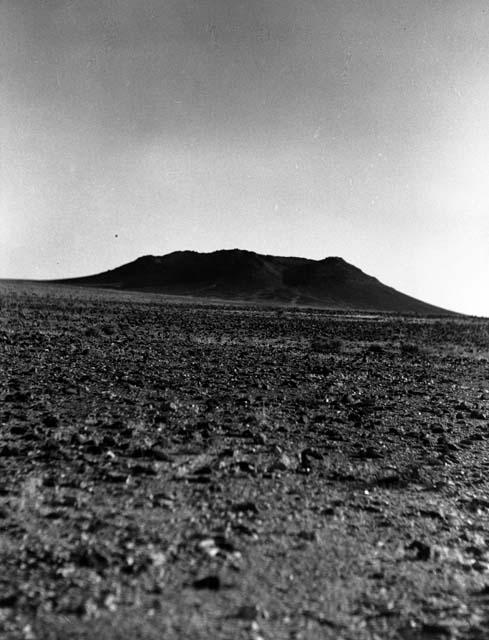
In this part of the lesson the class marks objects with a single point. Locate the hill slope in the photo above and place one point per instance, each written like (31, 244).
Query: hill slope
(245, 275)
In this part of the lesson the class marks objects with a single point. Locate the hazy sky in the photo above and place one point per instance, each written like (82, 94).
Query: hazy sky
(313, 128)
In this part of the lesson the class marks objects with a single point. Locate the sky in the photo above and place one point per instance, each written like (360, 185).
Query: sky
(352, 128)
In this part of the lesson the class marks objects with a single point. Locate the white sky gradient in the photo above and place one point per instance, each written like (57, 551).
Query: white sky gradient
(325, 127)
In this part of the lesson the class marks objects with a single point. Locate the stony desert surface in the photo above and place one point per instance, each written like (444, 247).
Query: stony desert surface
(187, 470)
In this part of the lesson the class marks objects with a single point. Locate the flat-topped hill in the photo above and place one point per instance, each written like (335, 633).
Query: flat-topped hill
(245, 275)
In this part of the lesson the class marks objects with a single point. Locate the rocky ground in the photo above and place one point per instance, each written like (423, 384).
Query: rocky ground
(188, 471)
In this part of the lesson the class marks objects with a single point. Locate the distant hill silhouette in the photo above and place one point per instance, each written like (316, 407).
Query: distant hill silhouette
(245, 275)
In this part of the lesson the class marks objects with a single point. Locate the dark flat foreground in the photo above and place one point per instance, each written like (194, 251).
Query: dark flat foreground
(185, 471)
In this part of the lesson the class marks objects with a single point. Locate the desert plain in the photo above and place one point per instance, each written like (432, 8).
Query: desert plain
(190, 469)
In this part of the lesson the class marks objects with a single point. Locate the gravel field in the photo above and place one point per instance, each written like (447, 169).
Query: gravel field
(189, 470)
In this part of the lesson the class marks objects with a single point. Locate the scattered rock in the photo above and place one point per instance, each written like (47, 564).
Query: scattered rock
(476, 414)
(211, 582)
(421, 549)
(248, 612)
(248, 507)
(8, 600)
(283, 463)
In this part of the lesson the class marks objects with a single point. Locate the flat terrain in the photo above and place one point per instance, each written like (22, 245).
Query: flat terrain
(194, 471)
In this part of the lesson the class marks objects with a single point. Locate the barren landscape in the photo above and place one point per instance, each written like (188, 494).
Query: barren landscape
(185, 470)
